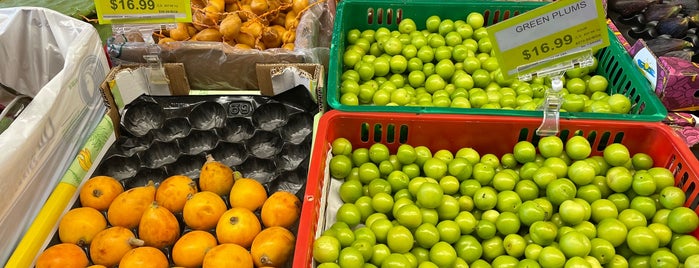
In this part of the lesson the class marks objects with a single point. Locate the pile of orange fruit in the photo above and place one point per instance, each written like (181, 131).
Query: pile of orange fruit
(220, 220)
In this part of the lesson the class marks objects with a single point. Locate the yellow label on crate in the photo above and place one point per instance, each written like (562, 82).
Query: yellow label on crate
(143, 11)
(548, 32)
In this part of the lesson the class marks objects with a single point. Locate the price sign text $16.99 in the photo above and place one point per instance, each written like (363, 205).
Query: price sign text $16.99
(132, 4)
(545, 47)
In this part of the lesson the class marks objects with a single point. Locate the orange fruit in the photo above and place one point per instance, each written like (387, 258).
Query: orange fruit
(216, 177)
(202, 210)
(144, 257)
(128, 207)
(247, 193)
(282, 208)
(99, 191)
(62, 255)
(111, 244)
(80, 225)
(227, 255)
(173, 192)
(238, 226)
(190, 249)
(272, 247)
(158, 227)
(97, 266)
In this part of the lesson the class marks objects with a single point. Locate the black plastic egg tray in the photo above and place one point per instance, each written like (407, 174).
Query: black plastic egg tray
(265, 138)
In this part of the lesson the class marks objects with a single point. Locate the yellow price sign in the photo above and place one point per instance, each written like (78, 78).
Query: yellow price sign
(548, 32)
(143, 11)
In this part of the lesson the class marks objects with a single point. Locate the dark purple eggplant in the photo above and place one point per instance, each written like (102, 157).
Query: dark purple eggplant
(675, 26)
(682, 54)
(643, 32)
(627, 8)
(661, 46)
(635, 19)
(692, 38)
(693, 16)
(659, 11)
(686, 4)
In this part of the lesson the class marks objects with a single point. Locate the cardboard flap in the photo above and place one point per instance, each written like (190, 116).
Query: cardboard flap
(118, 93)
(275, 78)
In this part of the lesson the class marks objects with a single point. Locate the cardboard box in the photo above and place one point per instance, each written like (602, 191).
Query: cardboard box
(218, 65)
(125, 83)
(673, 79)
(276, 78)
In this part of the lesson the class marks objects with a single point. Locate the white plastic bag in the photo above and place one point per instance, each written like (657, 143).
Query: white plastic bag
(60, 62)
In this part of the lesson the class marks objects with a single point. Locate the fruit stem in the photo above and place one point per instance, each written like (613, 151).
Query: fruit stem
(96, 193)
(209, 158)
(136, 242)
(265, 260)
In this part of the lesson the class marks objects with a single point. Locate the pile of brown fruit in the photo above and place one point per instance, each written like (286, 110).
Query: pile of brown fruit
(245, 24)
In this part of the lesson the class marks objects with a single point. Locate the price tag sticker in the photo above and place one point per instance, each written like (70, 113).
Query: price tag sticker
(548, 33)
(143, 11)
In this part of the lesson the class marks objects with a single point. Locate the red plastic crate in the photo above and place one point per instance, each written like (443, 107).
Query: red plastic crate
(486, 134)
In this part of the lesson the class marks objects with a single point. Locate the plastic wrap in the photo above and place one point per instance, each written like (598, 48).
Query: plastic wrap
(59, 62)
(217, 65)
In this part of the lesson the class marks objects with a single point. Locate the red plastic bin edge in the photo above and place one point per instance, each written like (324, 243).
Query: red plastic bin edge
(311, 206)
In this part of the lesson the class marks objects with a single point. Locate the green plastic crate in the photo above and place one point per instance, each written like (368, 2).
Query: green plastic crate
(614, 62)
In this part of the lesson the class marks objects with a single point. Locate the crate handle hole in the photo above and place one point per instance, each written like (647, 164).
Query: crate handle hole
(379, 12)
(619, 137)
(496, 16)
(683, 180)
(678, 169)
(486, 16)
(364, 132)
(389, 16)
(403, 134)
(535, 138)
(592, 137)
(506, 15)
(689, 192)
(603, 141)
(399, 15)
(370, 16)
(564, 135)
(523, 134)
(390, 133)
(378, 132)
(695, 202)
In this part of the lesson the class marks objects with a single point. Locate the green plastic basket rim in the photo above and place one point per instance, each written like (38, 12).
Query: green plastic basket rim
(652, 111)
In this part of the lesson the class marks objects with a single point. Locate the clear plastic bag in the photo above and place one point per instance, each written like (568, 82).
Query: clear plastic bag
(59, 62)
(219, 66)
